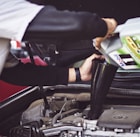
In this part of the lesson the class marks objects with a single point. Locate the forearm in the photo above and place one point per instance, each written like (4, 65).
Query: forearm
(31, 75)
(66, 24)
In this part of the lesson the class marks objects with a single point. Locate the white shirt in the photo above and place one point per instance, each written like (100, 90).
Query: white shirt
(15, 15)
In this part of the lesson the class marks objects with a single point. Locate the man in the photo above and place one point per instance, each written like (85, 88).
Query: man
(24, 21)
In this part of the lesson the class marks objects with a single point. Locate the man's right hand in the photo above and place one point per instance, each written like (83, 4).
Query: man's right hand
(111, 25)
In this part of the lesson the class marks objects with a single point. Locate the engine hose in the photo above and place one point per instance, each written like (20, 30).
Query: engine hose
(127, 92)
(61, 115)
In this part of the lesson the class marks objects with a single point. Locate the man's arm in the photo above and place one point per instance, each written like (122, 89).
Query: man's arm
(51, 23)
(32, 75)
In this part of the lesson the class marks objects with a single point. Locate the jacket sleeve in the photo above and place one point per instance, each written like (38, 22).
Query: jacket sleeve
(57, 24)
(32, 75)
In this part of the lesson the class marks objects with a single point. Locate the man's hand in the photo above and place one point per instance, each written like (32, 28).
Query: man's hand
(111, 25)
(86, 68)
